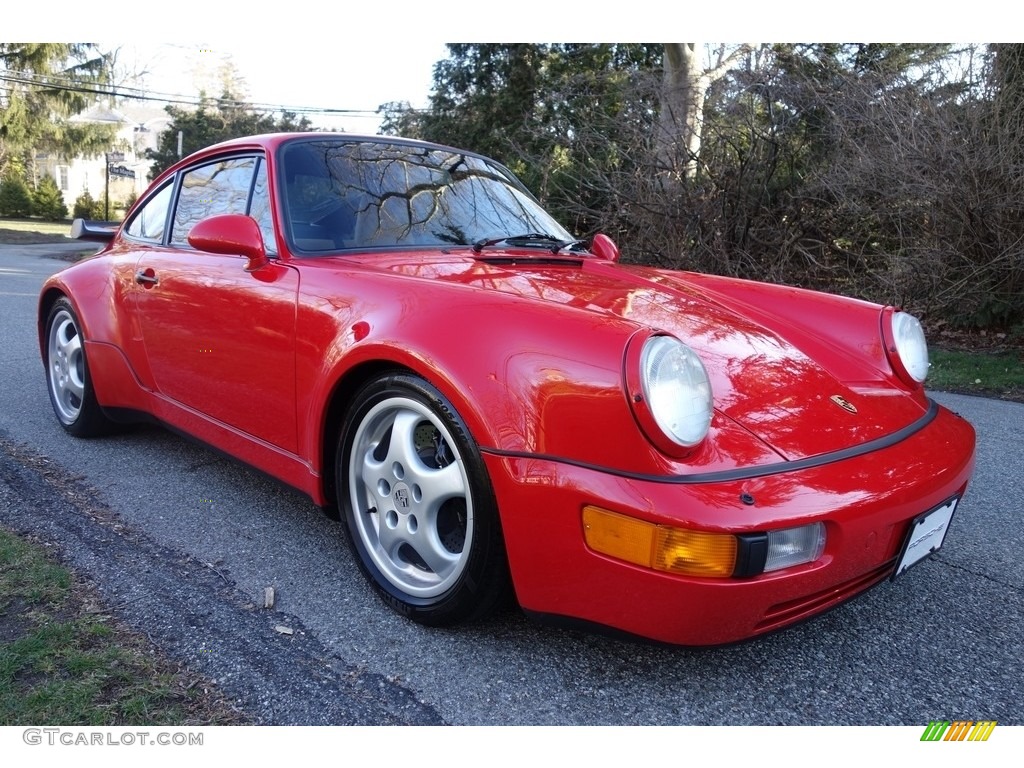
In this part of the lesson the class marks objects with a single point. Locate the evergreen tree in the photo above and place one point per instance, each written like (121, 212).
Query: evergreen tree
(48, 202)
(87, 208)
(227, 118)
(537, 108)
(45, 84)
(15, 198)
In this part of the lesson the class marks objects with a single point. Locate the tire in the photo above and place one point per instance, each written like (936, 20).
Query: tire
(67, 374)
(418, 504)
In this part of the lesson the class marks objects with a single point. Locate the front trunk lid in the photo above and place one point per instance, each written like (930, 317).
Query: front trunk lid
(760, 376)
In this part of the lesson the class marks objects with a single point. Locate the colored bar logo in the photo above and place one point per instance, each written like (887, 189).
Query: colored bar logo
(959, 730)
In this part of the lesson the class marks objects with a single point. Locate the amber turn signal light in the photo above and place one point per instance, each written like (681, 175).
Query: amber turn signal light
(660, 547)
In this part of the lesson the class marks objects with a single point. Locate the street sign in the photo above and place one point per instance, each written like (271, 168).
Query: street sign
(121, 171)
(115, 157)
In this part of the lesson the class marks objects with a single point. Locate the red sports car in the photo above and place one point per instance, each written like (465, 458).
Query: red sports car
(399, 330)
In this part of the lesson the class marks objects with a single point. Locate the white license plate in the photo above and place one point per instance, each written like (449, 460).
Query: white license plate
(927, 532)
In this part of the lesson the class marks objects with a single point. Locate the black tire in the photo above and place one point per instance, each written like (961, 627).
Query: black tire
(418, 504)
(68, 380)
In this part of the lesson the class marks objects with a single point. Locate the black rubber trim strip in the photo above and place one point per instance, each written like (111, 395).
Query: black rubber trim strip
(731, 475)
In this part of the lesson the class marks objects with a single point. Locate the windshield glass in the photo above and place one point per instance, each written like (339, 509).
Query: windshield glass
(376, 194)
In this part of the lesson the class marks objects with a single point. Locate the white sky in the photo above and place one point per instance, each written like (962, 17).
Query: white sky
(354, 76)
(340, 55)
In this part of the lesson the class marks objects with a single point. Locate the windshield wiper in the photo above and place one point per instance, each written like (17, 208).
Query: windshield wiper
(551, 242)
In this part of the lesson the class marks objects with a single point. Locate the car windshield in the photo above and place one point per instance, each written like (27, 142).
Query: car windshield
(378, 194)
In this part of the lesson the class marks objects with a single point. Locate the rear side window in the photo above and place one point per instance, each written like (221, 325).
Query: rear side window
(150, 221)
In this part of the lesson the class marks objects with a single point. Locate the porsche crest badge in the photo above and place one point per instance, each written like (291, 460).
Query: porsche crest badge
(843, 403)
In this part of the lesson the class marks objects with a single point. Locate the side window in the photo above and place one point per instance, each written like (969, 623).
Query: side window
(151, 220)
(210, 190)
(259, 209)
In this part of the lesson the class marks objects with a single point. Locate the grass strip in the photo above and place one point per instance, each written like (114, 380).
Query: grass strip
(65, 660)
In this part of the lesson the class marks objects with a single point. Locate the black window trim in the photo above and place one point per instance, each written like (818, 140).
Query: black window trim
(261, 160)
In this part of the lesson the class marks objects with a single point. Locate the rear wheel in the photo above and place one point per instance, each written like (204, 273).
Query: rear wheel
(67, 374)
(418, 503)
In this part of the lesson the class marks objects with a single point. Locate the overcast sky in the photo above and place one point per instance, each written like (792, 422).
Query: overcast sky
(355, 76)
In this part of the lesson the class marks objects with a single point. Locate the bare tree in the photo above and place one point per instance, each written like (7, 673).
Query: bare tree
(684, 92)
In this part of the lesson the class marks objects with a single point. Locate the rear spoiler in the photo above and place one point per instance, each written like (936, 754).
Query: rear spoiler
(85, 229)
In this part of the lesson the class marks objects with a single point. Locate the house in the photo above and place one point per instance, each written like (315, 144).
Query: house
(139, 126)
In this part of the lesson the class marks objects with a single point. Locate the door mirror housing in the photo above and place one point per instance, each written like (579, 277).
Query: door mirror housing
(604, 248)
(231, 234)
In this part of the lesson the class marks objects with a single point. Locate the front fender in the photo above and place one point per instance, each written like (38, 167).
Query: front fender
(526, 377)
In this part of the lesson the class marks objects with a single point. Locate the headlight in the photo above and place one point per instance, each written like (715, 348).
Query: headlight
(676, 390)
(911, 347)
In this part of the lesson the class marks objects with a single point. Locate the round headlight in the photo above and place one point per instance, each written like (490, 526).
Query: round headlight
(677, 390)
(910, 345)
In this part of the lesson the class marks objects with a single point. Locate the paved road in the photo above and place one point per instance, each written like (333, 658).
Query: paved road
(185, 541)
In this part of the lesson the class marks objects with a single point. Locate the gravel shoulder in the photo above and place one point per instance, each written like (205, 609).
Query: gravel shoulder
(193, 613)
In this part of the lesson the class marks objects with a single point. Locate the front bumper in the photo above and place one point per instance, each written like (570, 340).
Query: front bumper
(867, 504)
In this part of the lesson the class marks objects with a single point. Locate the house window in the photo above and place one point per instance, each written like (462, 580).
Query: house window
(62, 177)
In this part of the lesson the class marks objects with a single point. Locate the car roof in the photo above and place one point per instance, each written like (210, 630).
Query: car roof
(270, 142)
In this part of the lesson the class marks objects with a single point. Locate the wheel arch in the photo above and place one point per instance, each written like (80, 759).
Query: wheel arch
(333, 415)
(375, 362)
(47, 299)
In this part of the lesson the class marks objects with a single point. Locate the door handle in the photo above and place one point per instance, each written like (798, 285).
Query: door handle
(146, 277)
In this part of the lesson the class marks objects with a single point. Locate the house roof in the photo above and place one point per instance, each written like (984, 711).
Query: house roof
(127, 113)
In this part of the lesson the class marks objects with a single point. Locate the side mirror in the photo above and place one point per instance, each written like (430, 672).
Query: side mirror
(101, 231)
(233, 235)
(604, 248)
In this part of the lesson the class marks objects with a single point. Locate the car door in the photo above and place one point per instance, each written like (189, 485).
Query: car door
(220, 341)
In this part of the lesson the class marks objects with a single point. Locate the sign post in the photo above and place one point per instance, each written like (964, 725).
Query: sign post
(112, 157)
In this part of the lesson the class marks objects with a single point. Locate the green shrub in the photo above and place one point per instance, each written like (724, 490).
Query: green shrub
(15, 199)
(87, 208)
(48, 202)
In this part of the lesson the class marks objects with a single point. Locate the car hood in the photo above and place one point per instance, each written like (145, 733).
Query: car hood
(761, 375)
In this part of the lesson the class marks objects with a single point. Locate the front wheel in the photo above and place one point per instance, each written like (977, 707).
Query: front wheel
(418, 503)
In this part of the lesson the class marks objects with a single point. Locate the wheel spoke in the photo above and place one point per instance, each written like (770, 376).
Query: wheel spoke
(402, 449)
(75, 386)
(429, 547)
(372, 469)
(440, 485)
(70, 345)
(390, 539)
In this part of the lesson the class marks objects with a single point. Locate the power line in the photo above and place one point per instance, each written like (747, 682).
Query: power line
(95, 88)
